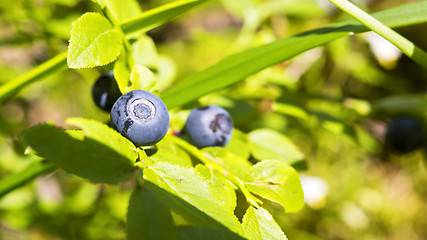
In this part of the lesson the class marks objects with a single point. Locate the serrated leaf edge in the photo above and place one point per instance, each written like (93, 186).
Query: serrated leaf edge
(71, 63)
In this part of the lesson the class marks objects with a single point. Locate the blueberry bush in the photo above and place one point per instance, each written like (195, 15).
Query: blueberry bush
(197, 119)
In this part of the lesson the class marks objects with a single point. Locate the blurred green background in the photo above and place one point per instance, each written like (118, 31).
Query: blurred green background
(322, 99)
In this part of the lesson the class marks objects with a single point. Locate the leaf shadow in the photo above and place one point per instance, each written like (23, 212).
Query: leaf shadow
(79, 155)
(340, 27)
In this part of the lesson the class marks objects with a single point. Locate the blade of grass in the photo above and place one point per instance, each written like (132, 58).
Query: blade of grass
(29, 173)
(236, 67)
(155, 17)
(51, 66)
(406, 46)
(404, 15)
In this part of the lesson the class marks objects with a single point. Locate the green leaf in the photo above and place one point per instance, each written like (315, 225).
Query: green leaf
(97, 153)
(224, 187)
(233, 163)
(167, 151)
(94, 42)
(106, 135)
(148, 218)
(238, 144)
(206, 233)
(122, 75)
(206, 160)
(278, 182)
(269, 144)
(207, 80)
(141, 78)
(123, 9)
(144, 51)
(166, 72)
(155, 17)
(194, 189)
(237, 67)
(258, 224)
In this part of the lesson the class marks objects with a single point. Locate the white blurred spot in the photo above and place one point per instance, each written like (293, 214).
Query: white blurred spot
(303, 62)
(315, 190)
(354, 216)
(385, 52)
(48, 191)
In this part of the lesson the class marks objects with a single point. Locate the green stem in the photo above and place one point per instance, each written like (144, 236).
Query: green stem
(406, 46)
(126, 44)
(32, 171)
(234, 179)
(55, 64)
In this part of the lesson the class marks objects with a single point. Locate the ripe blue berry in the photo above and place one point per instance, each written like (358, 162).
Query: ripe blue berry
(209, 126)
(140, 116)
(105, 91)
(404, 135)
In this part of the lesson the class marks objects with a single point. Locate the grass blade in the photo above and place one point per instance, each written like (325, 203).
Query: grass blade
(235, 68)
(32, 171)
(406, 46)
(158, 16)
(144, 22)
(49, 67)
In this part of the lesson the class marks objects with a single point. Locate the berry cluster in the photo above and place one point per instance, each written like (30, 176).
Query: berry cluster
(143, 118)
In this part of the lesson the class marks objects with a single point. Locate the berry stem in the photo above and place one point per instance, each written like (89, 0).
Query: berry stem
(406, 46)
(234, 179)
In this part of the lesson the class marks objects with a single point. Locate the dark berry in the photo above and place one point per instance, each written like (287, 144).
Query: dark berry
(105, 91)
(209, 126)
(140, 116)
(404, 135)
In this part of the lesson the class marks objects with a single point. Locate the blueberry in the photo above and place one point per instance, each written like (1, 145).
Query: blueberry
(404, 135)
(209, 126)
(140, 116)
(105, 91)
